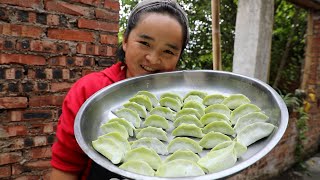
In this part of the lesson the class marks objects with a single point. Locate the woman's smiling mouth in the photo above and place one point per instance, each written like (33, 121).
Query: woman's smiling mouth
(149, 69)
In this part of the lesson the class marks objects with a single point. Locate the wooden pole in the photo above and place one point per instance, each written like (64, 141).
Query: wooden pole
(216, 50)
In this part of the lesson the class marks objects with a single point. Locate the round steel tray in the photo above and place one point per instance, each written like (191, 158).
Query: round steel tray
(98, 109)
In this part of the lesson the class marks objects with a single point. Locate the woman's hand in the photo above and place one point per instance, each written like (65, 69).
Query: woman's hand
(57, 174)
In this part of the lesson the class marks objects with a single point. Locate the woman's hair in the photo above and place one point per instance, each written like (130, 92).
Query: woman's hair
(169, 7)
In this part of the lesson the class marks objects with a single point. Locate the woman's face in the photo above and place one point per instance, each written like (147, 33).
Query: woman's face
(154, 45)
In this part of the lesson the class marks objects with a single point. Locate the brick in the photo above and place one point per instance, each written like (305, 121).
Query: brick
(15, 115)
(13, 87)
(13, 102)
(42, 164)
(11, 131)
(28, 177)
(4, 14)
(108, 39)
(49, 46)
(18, 169)
(5, 171)
(91, 49)
(72, 35)
(7, 44)
(40, 141)
(60, 86)
(107, 15)
(40, 101)
(53, 20)
(23, 3)
(112, 4)
(41, 18)
(40, 73)
(22, 59)
(88, 2)
(11, 157)
(42, 86)
(65, 74)
(21, 30)
(36, 115)
(23, 16)
(64, 7)
(37, 153)
(33, 17)
(44, 128)
(98, 25)
(27, 86)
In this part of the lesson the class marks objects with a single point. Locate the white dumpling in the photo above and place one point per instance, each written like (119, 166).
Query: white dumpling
(235, 100)
(218, 108)
(141, 110)
(218, 160)
(156, 121)
(171, 103)
(212, 117)
(138, 167)
(171, 95)
(164, 112)
(152, 143)
(113, 146)
(190, 130)
(193, 98)
(213, 99)
(144, 154)
(188, 111)
(114, 127)
(239, 149)
(179, 168)
(188, 119)
(152, 132)
(142, 100)
(201, 94)
(152, 97)
(183, 154)
(254, 132)
(219, 126)
(243, 110)
(195, 105)
(129, 115)
(250, 119)
(211, 139)
(128, 125)
(184, 143)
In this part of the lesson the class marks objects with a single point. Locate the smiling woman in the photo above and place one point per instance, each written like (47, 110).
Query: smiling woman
(156, 35)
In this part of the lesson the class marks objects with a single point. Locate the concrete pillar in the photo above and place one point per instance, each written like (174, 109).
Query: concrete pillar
(252, 49)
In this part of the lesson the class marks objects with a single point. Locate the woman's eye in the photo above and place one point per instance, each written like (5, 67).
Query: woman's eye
(144, 43)
(169, 52)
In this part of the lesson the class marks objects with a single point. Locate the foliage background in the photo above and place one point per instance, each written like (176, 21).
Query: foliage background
(288, 41)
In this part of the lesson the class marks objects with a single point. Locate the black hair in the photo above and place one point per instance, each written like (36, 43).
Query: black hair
(161, 8)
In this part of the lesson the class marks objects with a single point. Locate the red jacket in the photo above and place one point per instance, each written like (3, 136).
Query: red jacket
(66, 153)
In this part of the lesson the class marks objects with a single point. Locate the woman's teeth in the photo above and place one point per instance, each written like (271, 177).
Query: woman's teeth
(148, 68)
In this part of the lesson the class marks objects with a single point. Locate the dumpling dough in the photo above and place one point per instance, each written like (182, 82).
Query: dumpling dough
(141, 110)
(156, 121)
(152, 132)
(179, 168)
(171, 103)
(128, 125)
(184, 143)
(254, 132)
(144, 154)
(218, 108)
(129, 115)
(152, 143)
(152, 97)
(212, 117)
(114, 127)
(142, 100)
(113, 146)
(164, 112)
(219, 126)
(138, 167)
(213, 99)
(250, 119)
(188, 119)
(243, 110)
(189, 130)
(235, 100)
(183, 154)
(211, 139)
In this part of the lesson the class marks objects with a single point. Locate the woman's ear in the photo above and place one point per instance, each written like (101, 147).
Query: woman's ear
(124, 44)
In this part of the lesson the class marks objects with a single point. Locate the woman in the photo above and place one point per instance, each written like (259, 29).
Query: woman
(156, 35)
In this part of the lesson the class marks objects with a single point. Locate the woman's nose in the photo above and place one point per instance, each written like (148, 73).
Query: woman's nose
(153, 58)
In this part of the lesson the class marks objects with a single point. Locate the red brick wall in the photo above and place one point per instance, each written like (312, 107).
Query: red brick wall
(46, 45)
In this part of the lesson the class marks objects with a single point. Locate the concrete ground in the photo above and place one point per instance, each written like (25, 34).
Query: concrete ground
(311, 172)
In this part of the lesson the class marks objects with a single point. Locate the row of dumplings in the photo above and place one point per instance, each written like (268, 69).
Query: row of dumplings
(223, 125)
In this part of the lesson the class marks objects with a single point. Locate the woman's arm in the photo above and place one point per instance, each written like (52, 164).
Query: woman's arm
(57, 174)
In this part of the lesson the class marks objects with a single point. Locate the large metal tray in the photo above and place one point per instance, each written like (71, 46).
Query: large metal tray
(98, 109)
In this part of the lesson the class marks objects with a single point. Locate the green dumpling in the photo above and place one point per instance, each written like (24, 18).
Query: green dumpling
(218, 160)
(164, 112)
(152, 132)
(212, 117)
(129, 115)
(179, 168)
(250, 119)
(254, 132)
(114, 127)
(128, 125)
(189, 130)
(183, 154)
(243, 110)
(144, 154)
(171, 103)
(201, 94)
(138, 167)
(213, 99)
(113, 146)
(141, 110)
(195, 105)
(211, 139)
(193, 98)
(218, 108)
(142, 100)
(171, 95)
(188, 111)
(184, 143)
(236, 100)
(239, 148)
(219, 126)
(188, 119)
(152, 143)
(152, 97)
(156, 121)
